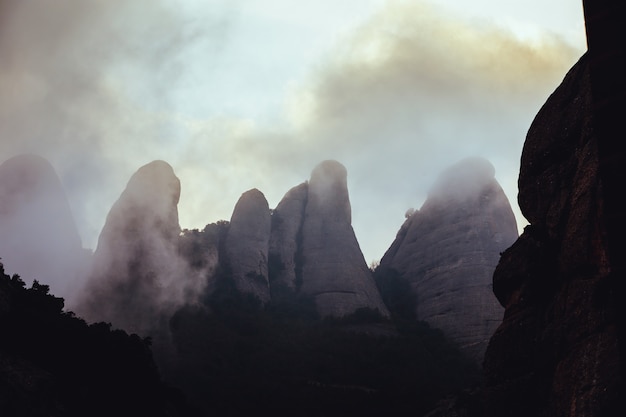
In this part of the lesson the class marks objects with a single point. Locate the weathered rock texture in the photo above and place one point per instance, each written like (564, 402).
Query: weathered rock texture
(334, 270)
(284, 252)
(449, 249)
(556, 352)
(247, 244)
(306, 246)
(38, 237)
(137, 274)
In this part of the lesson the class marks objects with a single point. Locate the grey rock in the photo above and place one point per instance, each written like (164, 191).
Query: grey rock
(286, 236)
(247, 244)
(39, 239)
(448, 251)
(137, 275)
(334, 270)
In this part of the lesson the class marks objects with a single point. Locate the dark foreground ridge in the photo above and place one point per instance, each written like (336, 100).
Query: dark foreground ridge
(53, 364)
(560, 349)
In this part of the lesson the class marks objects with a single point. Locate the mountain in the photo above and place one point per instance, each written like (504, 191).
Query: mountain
(38, 235)
(557, 351)
(449, 249)
(138, 276)
(229, 312)
(305, 246)
(334, 271)
(246, 245)
(314, 248)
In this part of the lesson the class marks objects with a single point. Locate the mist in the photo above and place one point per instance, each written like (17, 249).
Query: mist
(101, 88)
(137, 267)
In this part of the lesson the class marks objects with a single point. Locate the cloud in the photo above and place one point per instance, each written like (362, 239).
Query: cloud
(410, 92)
(84, 84)
(100, 88)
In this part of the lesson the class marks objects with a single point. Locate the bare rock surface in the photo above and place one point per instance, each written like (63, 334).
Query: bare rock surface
(137, 275)
(286, 237)
(334, 270)
(448, 251)
(247, 244)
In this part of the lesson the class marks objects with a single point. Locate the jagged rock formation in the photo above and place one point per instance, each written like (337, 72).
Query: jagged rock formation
(38, 237)
(449, 249)
(306, 245)
(285, 241)
(315, 249)
(247, 244)
(137, 274)
(557, 351)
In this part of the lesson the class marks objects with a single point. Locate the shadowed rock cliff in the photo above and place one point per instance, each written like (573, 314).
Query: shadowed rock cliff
(38, 236)
(556, 352)
(286, 237)
(449, 249)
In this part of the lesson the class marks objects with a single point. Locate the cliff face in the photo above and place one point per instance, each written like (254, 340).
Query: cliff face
(247, 244)
(306, 246)
(334, 270)
(38, 237)
(136, 267)
(449, 249)
(313, 248)
(556, 352)
(286, 237)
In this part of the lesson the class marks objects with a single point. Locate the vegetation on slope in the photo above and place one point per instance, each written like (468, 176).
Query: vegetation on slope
(54, 364)
(235, 357)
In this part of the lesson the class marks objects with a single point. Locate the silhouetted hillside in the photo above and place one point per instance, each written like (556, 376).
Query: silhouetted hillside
(53, 364)
(235, 356)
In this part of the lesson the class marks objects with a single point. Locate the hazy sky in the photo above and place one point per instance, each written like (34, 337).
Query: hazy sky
(254, 93)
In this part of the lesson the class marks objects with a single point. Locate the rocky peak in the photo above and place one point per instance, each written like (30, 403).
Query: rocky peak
(247, 244)
(464, 180)
(136, 265)
(155, 183)
(334, 271)
(328, 192)
(449, 249)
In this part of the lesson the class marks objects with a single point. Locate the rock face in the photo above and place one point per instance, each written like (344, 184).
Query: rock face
(334, 271)
(306, 245)
(286, 238)
(137, 274)
(38, 237)
(449, 249)
(247, 244)
(556, 352)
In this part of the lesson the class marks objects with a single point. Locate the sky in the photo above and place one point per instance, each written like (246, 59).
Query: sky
(245, 94)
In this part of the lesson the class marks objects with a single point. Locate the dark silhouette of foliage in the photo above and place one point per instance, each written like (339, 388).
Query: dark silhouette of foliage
(235, 357)
(397, 293)
(53, 363)
(193, 244)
